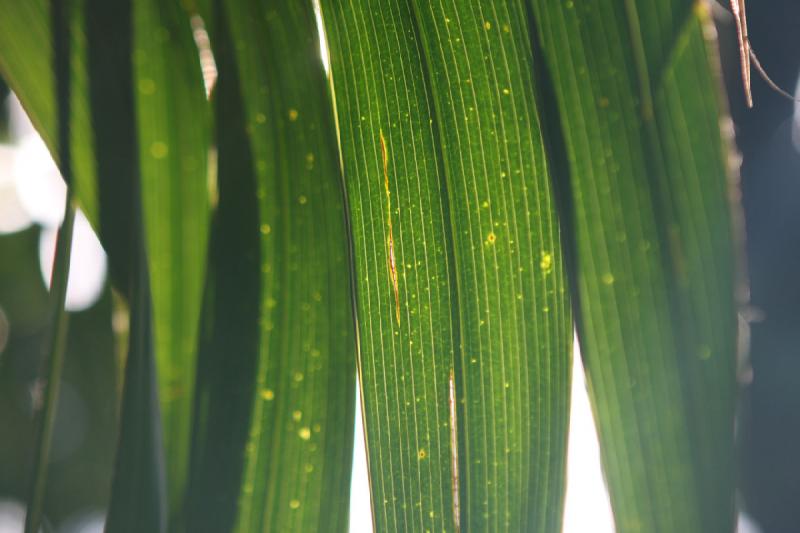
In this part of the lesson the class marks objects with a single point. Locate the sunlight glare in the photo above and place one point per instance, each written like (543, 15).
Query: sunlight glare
(323, 41)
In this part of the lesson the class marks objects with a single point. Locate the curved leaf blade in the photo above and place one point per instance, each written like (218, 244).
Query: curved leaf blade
(26, 61)
(173, 136)
(654, 252)
(280, 182)
(406, 322)
(515, 325)
(458, 264)
(101, 107)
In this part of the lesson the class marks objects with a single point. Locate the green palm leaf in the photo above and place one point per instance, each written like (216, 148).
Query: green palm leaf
(173, 138)
(464, 324)
(287, 467)
(166, 92)
(26, 62)
(428, 245)
(647, 188)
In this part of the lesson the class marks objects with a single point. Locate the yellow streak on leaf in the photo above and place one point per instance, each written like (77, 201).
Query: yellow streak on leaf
(392, 262)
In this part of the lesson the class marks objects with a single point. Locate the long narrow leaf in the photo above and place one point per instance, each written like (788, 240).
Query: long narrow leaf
(61, 14)
(654, 262)
(231, 327)
(173, 136)
(515, 328)
(101, 107)
(138, 495)
(102, 139)
(60, 21)
(171, 126)
(26, 62)
(407, 320)
(461, 297)
(280, 184)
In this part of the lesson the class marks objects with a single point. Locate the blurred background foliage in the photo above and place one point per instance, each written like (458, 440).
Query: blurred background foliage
(86, 424)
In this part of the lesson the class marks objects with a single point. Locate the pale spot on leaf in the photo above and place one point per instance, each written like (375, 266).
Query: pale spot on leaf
(159, 150)
(147, 86)
(546, 263)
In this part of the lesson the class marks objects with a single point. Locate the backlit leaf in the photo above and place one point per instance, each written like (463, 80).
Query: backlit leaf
(646, 202)
(463, 319)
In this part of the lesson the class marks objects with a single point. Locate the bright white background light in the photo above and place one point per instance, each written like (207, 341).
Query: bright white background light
(32, 191)
(587, 505)
(87, 268)
(796, 122)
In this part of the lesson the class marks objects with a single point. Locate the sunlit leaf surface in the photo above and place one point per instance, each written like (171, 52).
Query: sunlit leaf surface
(462, 125)
(648, 213)
(173, 137)
(283, 347)
(463, 318)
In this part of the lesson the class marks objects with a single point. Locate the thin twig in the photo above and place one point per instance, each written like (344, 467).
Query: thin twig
(740, 16)
(56, 345)
(59, 18)
(747, 56)
(763, 73)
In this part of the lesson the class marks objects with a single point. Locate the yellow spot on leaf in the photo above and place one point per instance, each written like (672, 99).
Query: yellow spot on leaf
(147, 86)
(294, 504)
(267, 394)
(297, 415)
(546, 264)
(159, 150)
(261, 118)
(266, 229)
(607, 278)
(304, 433)
(487, 25)
(293, 114)
(422, 454)
(491, 238)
